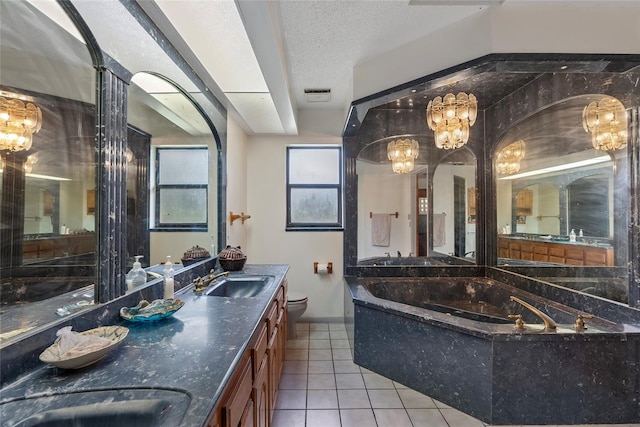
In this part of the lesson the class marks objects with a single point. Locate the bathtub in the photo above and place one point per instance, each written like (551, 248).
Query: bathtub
(452, 339)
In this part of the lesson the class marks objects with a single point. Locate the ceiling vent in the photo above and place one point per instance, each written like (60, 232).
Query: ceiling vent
(318, 95)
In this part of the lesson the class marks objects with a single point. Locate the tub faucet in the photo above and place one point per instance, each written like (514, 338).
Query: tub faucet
(201, 283)
(549, 323)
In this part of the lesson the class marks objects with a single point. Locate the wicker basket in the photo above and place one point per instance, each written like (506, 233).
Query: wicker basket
(232, 259)
(232, 264)
(194, 255)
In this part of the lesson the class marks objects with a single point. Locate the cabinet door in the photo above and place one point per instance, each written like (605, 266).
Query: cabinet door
(247, 415)
(273, 351)
(262, 409)
(235, 406)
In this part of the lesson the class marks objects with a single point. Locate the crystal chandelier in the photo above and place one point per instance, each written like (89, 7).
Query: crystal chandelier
(32, 159)
(607, 122)
(450, 118)
(18, 122)
(508, 159)
(402, 153)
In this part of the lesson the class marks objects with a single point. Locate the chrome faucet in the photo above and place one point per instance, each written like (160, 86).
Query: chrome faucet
(201, 283)
(399, 254)
(549, 323)
(388, 254)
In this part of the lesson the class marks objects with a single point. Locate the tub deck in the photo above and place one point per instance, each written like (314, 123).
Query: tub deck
(488, 369)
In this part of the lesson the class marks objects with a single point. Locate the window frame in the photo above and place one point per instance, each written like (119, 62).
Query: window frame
(315, 226)
(184, 226)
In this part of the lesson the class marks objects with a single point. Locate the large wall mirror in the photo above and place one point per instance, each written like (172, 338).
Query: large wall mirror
(48, 216)
(423, 217)
(50, 199)
(561, 203)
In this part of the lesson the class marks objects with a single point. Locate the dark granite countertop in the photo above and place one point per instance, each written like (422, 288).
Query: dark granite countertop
(195, 351)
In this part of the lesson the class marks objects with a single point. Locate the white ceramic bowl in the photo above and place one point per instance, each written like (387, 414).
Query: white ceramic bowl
(52, 354)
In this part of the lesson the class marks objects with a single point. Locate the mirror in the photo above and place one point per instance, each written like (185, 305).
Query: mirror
(428, 213)
(47, 235)
(45, 59)
(556, 200)
(163, 116)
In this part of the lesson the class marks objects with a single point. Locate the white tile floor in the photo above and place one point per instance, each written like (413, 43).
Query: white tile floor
(322, 387)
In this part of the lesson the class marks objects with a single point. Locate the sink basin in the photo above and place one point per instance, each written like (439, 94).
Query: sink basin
(239, 287)
(98, 408)
(140, 413)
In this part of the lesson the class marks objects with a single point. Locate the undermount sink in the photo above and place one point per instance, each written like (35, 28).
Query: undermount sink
(239, 287)
(98, 408)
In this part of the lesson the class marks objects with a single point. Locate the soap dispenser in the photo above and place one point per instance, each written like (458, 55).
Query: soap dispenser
(572, 235)
(136, 276)
(168, 279)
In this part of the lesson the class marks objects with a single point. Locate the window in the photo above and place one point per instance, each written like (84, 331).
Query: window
(314, 188)
(181, 188)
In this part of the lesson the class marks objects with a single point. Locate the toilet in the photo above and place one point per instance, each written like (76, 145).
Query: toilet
(296, 305)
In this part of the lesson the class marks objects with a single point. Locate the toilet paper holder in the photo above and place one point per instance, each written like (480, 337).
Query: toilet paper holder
(322, 268)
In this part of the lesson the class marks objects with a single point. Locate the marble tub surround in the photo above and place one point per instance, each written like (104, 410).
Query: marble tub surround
(40, 323)
(492, 371)
(194, 352)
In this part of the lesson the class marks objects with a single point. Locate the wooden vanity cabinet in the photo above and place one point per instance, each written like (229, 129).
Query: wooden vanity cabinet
(250, 397)
(561, 253)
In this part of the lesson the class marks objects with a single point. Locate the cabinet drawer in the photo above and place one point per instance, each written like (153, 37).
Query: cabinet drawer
(526, 247)
(539, 249)
(595, 257)
(280, 297)
(574, 253)
(272, 315)
(259, 348)
(235, 404)
(556, 251)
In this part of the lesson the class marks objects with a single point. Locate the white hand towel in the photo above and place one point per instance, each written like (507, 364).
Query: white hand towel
(380, 229)
(439, 236)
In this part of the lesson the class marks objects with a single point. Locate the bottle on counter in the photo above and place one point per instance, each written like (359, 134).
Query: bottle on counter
(580, 233)
(572, 235)
(507, 229)
(136, 276)
(168, 279)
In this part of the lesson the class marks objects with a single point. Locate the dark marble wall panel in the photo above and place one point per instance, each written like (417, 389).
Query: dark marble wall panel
(111, 197)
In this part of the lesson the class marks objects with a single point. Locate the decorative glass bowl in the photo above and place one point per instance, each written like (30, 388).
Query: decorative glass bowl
(150, 312)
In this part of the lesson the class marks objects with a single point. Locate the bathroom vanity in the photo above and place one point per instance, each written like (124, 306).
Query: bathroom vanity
(572, 253)
(216, 362)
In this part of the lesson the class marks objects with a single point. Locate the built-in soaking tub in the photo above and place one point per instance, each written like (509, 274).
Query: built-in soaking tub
(452, 339)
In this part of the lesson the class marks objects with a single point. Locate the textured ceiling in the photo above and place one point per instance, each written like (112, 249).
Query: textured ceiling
(325, 40)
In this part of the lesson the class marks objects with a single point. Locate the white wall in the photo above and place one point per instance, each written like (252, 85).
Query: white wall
(385, 194)
(236, 184)
(267, 240)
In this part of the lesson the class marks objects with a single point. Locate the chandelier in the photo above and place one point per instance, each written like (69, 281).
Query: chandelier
(450, 118)
(402, 153)
(32, 159)
(18, 122)
(607, 122)
(508, 160)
